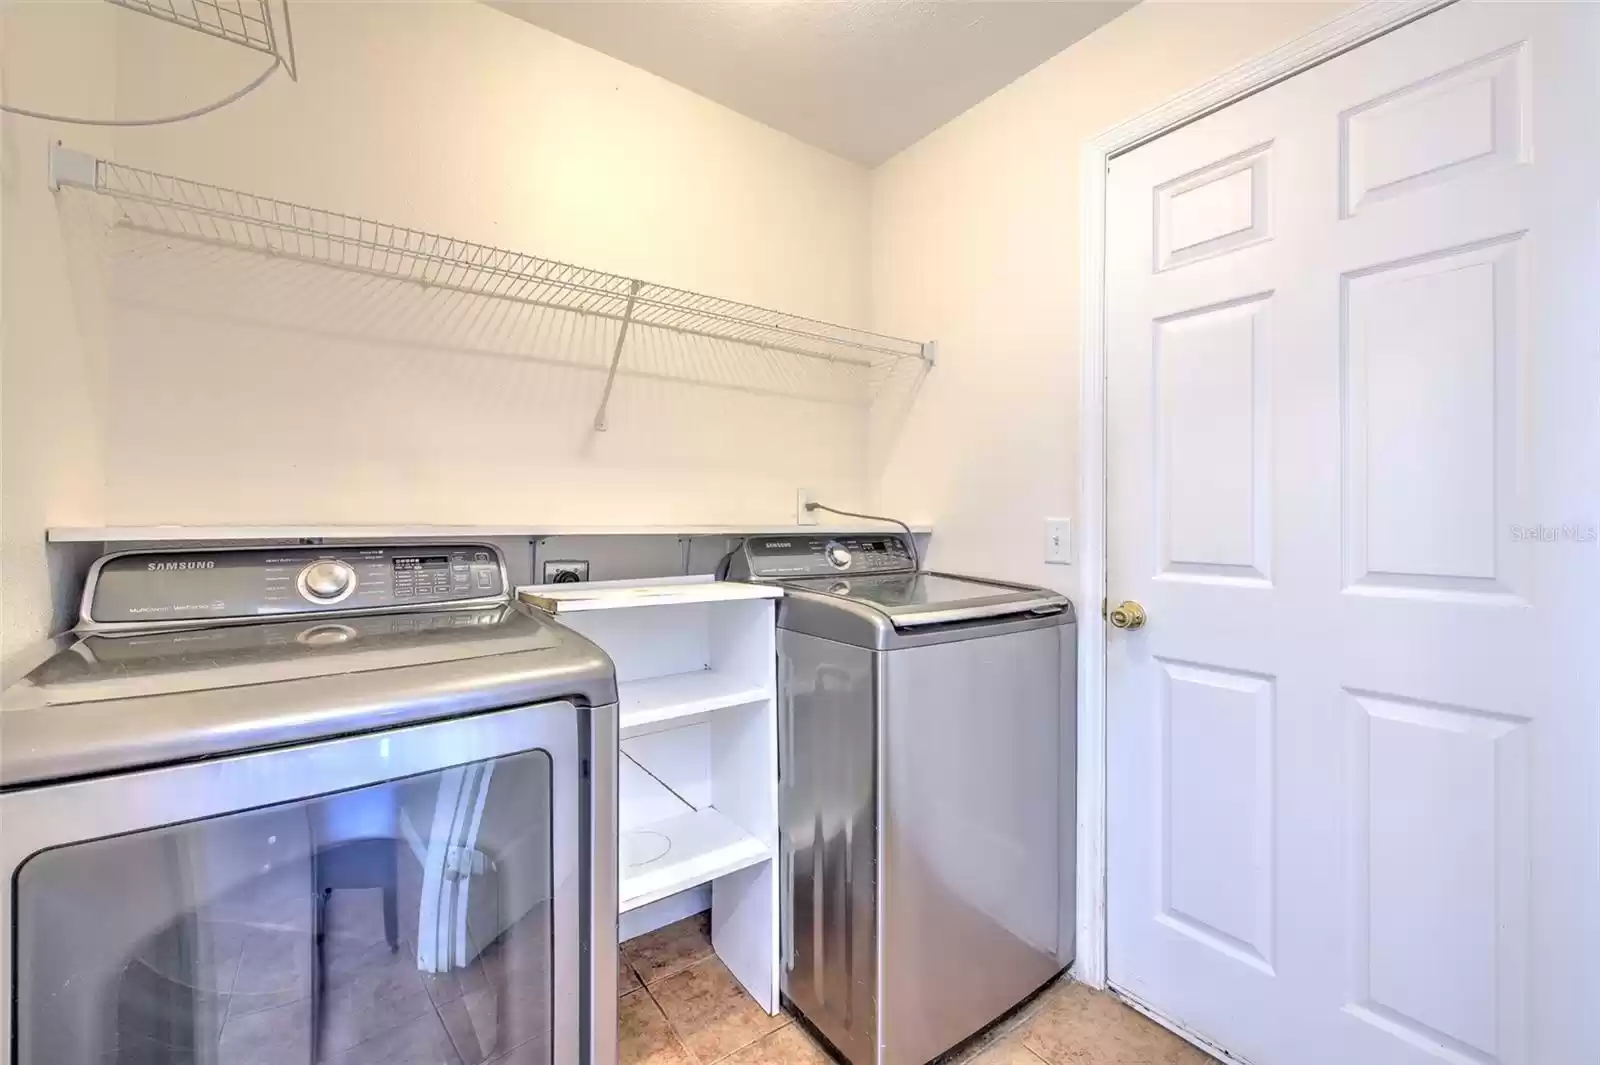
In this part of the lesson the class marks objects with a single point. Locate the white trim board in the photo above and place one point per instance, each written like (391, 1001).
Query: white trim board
(75, 534)
(651, 591)
(1348, 30)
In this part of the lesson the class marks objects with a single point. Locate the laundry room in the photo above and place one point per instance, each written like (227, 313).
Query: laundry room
(694, 533)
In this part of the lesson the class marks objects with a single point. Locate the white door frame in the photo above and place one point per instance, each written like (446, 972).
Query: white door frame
(1348, 30)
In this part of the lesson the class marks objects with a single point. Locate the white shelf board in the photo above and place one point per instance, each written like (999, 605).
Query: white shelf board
(659, 591)
(660, 703)
(77, 534)
(703, 846)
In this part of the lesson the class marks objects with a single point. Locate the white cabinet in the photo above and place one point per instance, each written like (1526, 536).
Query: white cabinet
(698, 779)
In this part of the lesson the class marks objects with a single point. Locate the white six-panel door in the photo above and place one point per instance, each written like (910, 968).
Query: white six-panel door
(1353, 335)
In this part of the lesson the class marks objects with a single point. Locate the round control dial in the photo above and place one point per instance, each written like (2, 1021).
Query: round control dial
(837, 555)
(327, 581)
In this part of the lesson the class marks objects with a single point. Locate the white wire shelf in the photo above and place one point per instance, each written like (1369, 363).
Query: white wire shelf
(249, 23)
(160, 203)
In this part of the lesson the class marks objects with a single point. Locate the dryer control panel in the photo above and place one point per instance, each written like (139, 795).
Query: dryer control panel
(154, 587)
(783, 557)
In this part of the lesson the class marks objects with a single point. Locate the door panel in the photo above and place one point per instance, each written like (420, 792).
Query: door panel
(1352, 811)
(1217, 811)
(1438, 809)
(1433, 437)
(1436, 130)
(1214, 443)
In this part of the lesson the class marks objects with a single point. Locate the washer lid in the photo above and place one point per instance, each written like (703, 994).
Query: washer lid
(915, 600)
(105, 704)
(98, 668)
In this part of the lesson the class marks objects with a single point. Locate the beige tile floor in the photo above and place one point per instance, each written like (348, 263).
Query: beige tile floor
(680, 1006)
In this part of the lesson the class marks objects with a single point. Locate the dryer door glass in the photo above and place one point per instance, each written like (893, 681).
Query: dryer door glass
(408, 921)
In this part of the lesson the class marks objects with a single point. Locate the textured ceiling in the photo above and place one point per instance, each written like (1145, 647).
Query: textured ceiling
(860, 78)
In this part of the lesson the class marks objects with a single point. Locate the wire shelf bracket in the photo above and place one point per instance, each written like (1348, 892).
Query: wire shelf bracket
(616, 358)
(193, 210)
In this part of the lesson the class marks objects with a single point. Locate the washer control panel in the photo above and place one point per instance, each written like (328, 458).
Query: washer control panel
(250, 582)
(820, 556)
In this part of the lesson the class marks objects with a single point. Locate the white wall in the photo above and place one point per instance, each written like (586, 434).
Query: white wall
(234, 388)
(51, 301)
(151, 380)
(460, 119)
(975, 241)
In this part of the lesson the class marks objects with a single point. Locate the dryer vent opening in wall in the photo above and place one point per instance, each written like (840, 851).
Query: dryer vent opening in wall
(557, 571)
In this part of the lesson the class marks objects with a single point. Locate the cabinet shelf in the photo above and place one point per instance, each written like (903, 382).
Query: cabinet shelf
(661, 703)
(193, 210)
(697, 795)
(682, 852)
(653, 591)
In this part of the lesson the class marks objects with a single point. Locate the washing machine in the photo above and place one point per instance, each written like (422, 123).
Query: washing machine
(927, 792)
(307, 804)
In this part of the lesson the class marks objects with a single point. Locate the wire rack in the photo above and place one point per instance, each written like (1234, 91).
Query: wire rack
(158, 202)
(244, 22)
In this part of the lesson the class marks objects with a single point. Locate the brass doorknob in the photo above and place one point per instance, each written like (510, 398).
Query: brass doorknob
(1129, 615)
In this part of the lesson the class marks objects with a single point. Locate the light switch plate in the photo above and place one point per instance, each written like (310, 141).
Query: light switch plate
(1058, 541)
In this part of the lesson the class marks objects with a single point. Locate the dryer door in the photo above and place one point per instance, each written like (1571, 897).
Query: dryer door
(411, 895)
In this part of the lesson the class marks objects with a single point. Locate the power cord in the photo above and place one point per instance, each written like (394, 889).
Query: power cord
(238, 94)
(916, 557)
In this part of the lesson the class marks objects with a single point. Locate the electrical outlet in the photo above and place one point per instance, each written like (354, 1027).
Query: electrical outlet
(802, 516)
(565, 571)
(1058, 541)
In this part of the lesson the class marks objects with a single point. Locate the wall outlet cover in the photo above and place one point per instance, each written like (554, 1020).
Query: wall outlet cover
(565, 571)
(802, 516)
(1058, 541)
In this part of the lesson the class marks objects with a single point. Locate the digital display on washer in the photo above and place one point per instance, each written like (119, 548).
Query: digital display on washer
(412, 563)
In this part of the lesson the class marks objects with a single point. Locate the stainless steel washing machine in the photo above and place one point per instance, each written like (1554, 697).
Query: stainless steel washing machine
(284, 805)
(927, 792)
